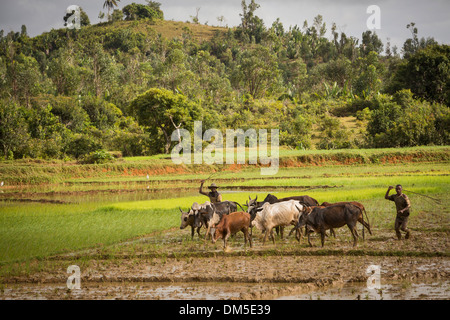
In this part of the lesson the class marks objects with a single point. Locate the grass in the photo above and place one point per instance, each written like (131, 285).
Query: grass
(36, 231)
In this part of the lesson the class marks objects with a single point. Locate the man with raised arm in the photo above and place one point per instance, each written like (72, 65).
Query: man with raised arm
(214, 196)
(403, 206)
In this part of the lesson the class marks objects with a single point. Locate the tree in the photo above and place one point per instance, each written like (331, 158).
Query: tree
(370, 71)
(258, 71)
(251, 25)
(14, 136)
(333, 134)
(64, 72)
(136, 11)
(110, 4)
(370, 42)
(402, 121)
(414, 44)
(117, 15)
(101, 71)
(102, 114)
(427, 74)
(25, 77)
(295, 130)
(158, 109)
(84, 18)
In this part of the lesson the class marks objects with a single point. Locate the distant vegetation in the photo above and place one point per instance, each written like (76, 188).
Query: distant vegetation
(75, 94)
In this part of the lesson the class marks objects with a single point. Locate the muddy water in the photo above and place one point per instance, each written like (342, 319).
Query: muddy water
(224, 291)
(392, 291)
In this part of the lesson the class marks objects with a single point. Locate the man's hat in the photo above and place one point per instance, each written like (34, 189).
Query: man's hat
(213, 185)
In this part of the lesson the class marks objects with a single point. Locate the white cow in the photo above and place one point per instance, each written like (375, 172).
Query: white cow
(278, 214)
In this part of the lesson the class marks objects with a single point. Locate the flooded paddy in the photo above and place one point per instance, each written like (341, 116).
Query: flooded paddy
(133, 247)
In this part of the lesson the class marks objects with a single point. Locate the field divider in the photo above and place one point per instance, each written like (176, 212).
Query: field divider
(250, 253)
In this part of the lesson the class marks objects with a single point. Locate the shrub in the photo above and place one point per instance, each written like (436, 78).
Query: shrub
(97, 157)
(136, 11)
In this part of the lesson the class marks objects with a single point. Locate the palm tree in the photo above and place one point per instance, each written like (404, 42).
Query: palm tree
(110, 4)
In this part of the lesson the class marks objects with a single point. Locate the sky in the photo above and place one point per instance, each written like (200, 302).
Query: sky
(431, 17)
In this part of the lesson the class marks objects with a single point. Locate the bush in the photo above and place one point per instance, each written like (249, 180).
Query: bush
(333, 134)
(404, 122)
(97, 157)
(136, 11)
(82, 144)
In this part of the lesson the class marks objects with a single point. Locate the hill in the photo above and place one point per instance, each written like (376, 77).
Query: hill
(125, 85)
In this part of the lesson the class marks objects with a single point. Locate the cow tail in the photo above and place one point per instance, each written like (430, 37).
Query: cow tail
(364, 227)
(239, 206)
(368, 221)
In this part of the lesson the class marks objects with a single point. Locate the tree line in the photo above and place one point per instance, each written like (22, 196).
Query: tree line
(70, 93)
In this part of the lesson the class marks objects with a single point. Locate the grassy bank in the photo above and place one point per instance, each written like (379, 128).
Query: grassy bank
(25, 171)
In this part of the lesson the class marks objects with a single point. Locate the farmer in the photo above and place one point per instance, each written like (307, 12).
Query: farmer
(403, 206)
(213, 195)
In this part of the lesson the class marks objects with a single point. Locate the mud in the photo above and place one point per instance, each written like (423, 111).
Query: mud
(169, 265)
(249, 278)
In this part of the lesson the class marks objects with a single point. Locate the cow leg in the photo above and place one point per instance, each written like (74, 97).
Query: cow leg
(249, 238)
(277, 229)
(354, 234)
(309, 238)
(225, 238)
(269, 231)
(245, 232)
(322, 237)
(198, 232)
(266, 234)
(192, 232)
(332, 232)
(293, 229)
(298, 234)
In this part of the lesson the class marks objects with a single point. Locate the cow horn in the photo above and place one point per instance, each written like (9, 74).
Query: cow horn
(180, 209)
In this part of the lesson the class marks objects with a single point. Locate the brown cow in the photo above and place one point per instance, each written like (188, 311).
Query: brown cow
(232, 224)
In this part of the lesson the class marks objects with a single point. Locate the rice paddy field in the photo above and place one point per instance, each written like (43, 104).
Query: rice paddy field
(120, 223)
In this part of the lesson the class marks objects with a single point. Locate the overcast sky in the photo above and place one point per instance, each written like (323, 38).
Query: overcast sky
(431, 17)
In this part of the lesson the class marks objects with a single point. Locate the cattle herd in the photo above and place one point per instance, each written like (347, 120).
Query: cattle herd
(223, 219)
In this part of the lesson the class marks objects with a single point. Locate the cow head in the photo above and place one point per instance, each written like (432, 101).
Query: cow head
(215, 235)
(202, 213)
(255, 218)
(304, 212)
(187, 218)
(251, 204)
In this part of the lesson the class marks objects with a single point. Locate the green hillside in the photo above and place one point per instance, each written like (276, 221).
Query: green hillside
(123, 86)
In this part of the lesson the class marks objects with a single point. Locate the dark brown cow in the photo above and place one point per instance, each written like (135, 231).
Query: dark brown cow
(303, 199)
(337, 216)
(232, 224)
(360, 218)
